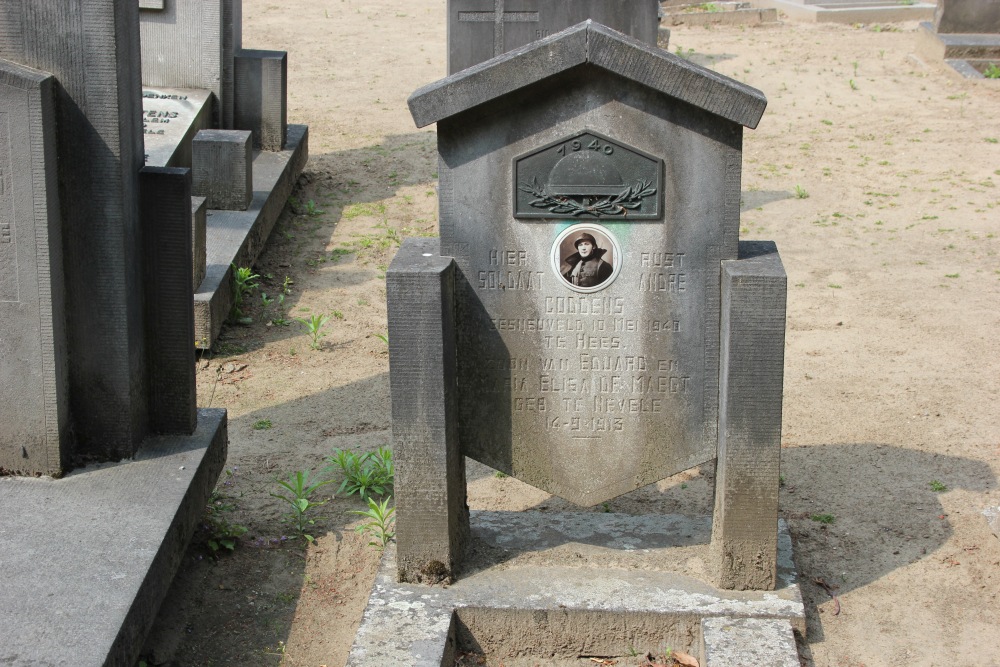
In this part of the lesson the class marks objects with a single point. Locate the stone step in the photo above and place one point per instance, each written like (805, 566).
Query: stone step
(88, 559)
(739, 642)
(631, 581)
(238, 237)
(837, 12)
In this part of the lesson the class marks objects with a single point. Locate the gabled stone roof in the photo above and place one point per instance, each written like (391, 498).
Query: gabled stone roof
(594, 44)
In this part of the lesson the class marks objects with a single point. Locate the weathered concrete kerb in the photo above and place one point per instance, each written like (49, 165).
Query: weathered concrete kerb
(566, 585)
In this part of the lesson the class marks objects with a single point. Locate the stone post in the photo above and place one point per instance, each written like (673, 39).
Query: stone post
(745, 523)
(261, 92)
(166, 216)
(432, 516)
(222, 165)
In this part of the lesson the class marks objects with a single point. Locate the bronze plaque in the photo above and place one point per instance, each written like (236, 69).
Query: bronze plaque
(588, 176)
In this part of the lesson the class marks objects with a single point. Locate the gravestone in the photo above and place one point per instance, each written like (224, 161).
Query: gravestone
(34, 398)
(967, 16)
(197, 77)
(91, 48)
(96, 343)
(589, 322)
(965, 34)
(193, 44)
(482, 29)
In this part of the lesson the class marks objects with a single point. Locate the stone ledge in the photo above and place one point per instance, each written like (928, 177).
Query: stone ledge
(860, 11)
(238, 237)
(611, 579)
(87, 559)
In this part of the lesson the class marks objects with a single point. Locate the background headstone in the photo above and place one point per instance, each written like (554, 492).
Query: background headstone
(91, 47)
(482, 29)
(967, 16)
(192, 44)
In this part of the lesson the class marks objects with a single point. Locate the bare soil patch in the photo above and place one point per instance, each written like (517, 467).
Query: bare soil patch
(877, 178)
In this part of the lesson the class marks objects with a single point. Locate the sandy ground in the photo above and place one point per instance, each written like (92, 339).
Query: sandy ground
(875, 174)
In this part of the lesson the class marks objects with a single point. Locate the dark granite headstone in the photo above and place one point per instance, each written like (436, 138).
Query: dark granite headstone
(91, 47)
(192, 44)
(967, 16)
(34, 393)
(482, 29)
(589, 198)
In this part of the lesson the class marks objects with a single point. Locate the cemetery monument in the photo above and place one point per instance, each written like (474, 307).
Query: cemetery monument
(106, 464)
(589, 322)
(221, 110)
(965, 34)
(482, 29)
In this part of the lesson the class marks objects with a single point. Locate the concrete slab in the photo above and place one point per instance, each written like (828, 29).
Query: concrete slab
(237, 237)
(566, 583)
(738, 642)
(992, 515)
(722, 13)
(871, 11)
(88, 558)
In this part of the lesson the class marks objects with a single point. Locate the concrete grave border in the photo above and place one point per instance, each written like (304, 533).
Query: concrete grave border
(423, 626)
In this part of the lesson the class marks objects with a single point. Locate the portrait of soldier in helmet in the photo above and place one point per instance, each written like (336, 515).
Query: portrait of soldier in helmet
(587, 266)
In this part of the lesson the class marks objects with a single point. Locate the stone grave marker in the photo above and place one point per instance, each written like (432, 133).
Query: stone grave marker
(193, 44)
(198, 78)
(482, 29)
(968, 16)
(96, 343)
(566, 327)
(965, 34)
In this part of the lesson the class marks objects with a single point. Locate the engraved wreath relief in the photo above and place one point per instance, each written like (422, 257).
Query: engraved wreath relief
(587, 175)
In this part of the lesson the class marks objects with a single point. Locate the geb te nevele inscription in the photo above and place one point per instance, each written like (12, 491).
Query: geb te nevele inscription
(588, 176)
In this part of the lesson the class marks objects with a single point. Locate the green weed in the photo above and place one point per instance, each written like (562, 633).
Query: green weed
(381, 522)
(314, 325)
(823, 518)
(992, 71)
(800, 192)
(365, 474)
(298, 494)
(223, 535)
(937, 486)
(262, 424)
(244, 283)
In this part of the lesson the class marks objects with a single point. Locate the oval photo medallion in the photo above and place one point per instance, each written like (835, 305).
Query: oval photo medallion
(586, 257)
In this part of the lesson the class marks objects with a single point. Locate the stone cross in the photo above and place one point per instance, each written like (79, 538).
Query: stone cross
(498, 17)
(520, 22)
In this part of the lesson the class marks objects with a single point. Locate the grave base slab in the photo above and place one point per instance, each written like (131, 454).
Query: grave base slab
(238, 237)
(962, 52)
(87, 559)
(556, 586)
(850, 11)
